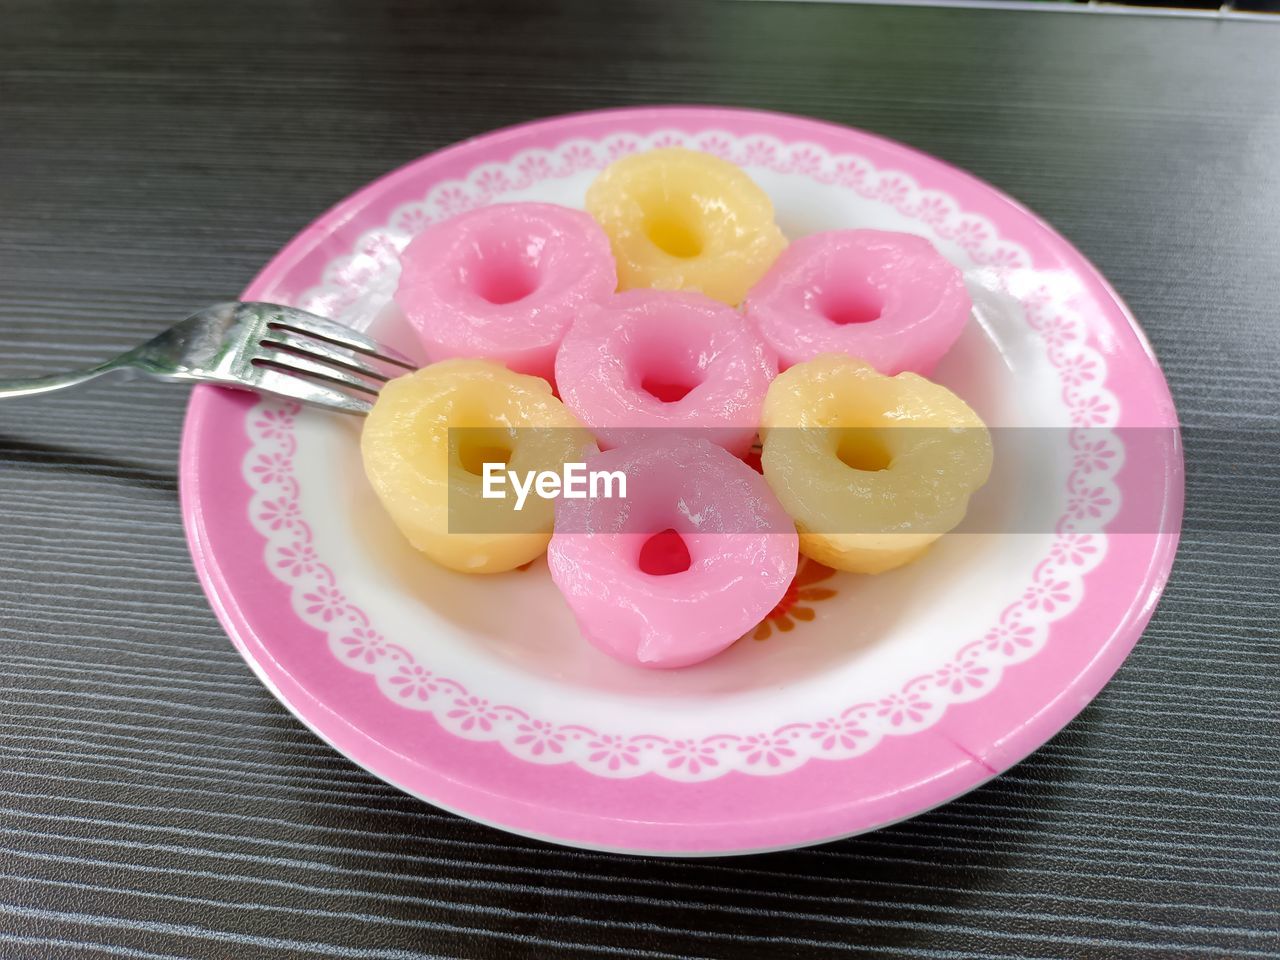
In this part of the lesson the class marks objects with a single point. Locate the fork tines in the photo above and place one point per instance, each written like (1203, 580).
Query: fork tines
(340, 335)
(334, 360)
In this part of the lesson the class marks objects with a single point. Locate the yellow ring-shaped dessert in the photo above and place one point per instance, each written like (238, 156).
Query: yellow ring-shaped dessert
(873, 469)
(424, 445)
(682, 220)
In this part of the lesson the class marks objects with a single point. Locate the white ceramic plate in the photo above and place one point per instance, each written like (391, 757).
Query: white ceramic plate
(861, 700)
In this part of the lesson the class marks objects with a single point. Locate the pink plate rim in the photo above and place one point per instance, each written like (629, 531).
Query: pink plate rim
(737, 813)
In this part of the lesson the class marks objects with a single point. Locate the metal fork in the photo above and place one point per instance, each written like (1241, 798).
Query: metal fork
(266, 347)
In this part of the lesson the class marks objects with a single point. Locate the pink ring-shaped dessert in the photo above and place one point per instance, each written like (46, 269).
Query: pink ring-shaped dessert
(645, 361)
(887, 298)
(742, 550)
(504, 282)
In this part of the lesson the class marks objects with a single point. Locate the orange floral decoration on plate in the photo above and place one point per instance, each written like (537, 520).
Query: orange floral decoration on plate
(794, 603)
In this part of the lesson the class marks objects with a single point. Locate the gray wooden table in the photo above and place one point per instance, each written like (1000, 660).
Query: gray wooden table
(155, 801)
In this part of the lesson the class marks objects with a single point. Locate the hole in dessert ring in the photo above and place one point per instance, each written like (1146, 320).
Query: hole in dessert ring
(854, 300)
(741, 548)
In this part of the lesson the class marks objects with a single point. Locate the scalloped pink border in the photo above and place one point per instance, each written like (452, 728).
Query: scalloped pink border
(735, 813)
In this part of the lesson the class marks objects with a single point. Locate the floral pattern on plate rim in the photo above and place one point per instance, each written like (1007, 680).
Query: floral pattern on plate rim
(972, 671)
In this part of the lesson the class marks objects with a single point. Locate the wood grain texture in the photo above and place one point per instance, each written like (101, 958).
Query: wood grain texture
(156, 802)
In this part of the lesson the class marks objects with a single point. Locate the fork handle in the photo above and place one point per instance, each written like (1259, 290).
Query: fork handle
(58, 381)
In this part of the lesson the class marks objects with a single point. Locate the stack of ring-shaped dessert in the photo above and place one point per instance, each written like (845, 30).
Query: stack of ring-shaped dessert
(865, 463)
